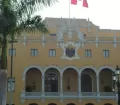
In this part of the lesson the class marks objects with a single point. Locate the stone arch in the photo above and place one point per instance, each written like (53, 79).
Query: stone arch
(90, 67)
(55, 67)
(52, 80)
(72, 67)
(88, 79)
(70, 76)
(29, 67)
(105, 67)
(105, 79)
(33, 84)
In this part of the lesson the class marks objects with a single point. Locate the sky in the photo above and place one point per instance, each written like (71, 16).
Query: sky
(104, 13)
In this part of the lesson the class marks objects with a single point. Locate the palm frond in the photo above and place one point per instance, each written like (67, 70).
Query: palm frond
(25, 7)
(32, 24)
(15, 17)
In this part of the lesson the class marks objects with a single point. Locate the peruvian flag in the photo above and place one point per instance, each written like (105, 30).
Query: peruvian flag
(74, 2)
(85, 4)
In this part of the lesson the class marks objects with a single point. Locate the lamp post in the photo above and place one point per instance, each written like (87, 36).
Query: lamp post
(11, 70)
(116, 82)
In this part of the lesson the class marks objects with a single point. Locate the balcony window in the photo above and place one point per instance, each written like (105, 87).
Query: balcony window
(51, 83)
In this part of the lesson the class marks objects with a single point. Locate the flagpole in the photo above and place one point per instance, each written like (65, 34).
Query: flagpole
(69, 11)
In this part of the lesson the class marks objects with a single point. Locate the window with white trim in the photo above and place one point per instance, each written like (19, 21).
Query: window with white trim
(106, 53)
(52, 52)
(88, 53)
(34, 52)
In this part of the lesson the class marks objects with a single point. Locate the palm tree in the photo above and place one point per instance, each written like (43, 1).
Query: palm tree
(16, 16)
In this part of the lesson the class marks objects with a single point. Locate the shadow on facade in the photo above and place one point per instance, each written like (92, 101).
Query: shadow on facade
(52, 104)
(107, 104)
(33, 104)
(89, 104)
(71, 104)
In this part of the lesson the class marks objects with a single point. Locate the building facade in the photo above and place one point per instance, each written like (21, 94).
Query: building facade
(72, 65)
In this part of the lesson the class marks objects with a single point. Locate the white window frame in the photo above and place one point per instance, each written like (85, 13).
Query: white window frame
(88, 53)
(34, 52)
(52, 52)
(106, 53)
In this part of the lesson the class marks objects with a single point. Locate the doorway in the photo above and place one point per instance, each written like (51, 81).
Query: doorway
(51, 83)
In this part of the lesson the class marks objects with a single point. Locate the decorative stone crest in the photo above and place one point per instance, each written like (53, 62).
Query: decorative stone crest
(70, 50)
(70, 47)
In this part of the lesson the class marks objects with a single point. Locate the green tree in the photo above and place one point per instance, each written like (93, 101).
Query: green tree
(16, 16)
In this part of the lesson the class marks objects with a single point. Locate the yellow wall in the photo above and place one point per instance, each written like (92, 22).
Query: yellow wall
(23, 59)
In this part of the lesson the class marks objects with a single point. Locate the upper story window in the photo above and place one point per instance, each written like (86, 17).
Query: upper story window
(34, 52)
(52, 52)
(52, 34)
(106, 53)
(88, 53)
(12, 52)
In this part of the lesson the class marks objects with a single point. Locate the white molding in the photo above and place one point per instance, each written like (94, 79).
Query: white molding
(25, 40)
(73, 67)
(75, 45)
(29, 67)
(39, 40)
(89, 67)
(43, 40)
(52, 66)
(97, 42)
(105, 67)
(114, 42)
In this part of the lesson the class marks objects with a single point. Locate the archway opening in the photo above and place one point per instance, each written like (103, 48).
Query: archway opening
(89, 104)
(51, 83)
(51, 80)
(33, 80)
(105, 80)
(70, 80)
(88, 80)
(52, 104)
(107, 104)
(86, 83)
(70, 104)
(33, 104)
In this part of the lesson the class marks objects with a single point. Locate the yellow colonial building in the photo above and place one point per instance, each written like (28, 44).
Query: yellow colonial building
(72, 65)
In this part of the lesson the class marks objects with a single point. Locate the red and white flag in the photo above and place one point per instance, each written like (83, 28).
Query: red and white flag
(85, 3)
(74, 2)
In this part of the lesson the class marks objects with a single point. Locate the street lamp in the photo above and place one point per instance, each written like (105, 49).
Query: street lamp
(12, 80)
(116, 82)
